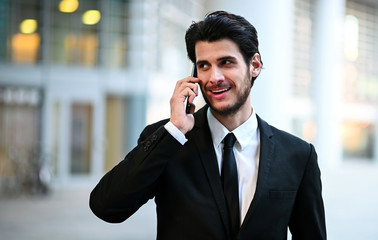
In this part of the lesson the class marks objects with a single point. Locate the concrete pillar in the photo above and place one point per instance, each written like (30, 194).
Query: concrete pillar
(328, 60)
(98, 135)
(64, 142)
(376, 117)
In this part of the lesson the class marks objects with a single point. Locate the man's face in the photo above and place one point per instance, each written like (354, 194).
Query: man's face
(225, 78)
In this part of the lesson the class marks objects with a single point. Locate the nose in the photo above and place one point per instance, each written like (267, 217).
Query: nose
(216, 76)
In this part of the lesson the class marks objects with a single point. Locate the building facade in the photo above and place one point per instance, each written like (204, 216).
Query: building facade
(320, 77)
(79, 79)
(75, 80)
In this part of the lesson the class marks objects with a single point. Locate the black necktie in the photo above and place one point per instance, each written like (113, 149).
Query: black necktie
(229, 177)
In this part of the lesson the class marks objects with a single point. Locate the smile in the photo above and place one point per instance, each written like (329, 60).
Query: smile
(219, 91)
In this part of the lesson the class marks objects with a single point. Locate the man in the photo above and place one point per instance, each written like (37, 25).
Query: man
(255, 188)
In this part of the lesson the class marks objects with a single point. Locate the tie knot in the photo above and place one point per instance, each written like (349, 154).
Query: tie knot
(229, 141)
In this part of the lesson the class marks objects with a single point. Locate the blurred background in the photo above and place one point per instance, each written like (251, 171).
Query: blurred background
(79, 80)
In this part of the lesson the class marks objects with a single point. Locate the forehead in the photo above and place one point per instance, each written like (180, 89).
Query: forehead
(208, 51)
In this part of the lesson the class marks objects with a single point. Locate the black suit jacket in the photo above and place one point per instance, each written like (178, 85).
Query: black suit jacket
(185, 181)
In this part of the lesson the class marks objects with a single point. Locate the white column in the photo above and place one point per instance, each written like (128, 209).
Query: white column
(328, 60)
(64, 142)
(98, 135)
(376, 118)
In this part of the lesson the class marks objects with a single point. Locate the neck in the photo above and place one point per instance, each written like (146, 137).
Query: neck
(232, 121)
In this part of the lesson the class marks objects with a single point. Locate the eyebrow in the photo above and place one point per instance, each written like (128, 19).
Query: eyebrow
(226, 58)
(218, 60)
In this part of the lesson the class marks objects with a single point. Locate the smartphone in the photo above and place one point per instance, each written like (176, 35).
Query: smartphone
(194, 74)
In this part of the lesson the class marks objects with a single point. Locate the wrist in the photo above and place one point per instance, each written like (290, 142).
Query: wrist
(178, 127)
(175, 132)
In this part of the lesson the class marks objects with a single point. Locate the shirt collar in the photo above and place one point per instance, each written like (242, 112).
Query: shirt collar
(245, 133)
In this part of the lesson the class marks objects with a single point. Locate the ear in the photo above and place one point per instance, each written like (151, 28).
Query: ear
(255, 65)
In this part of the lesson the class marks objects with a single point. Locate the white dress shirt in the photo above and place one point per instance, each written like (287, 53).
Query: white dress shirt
(247, 154)
(246, 150)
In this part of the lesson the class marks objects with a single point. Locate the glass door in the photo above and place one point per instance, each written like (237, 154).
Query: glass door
(81, 138)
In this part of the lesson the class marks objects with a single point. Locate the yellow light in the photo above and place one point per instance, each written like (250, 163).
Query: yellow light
(68, 6)
(28, 26)
(25, 47)
(91, 17)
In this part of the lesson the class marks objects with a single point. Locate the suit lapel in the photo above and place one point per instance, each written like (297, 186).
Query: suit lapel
(201, 137)
(266, 156)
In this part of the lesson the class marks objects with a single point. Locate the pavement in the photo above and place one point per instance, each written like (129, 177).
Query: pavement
(350, 194)
(65, 215)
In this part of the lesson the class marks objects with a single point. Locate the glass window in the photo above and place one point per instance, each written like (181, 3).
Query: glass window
(75, 28)
(20, 24)
(358, 140)
(115, 33)
(4, 21)
(303, 47)
(360, 52)
(84, 32)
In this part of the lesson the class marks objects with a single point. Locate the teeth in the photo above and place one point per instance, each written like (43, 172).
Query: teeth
(220, 91)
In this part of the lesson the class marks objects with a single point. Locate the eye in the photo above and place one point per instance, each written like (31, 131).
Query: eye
(203, 66)
(226, 62)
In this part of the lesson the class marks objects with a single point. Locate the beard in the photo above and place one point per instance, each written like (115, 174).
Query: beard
(241, 98)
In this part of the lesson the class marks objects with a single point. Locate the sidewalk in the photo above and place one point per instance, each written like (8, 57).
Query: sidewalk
(66, 215)
(350, 196)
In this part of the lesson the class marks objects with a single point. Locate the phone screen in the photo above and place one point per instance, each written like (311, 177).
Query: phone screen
(194, 74)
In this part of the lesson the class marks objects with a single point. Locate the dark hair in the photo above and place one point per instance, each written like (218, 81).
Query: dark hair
(221, 25)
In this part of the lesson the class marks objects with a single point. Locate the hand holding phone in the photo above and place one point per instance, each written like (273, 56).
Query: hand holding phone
(181, 102)
(189, 105)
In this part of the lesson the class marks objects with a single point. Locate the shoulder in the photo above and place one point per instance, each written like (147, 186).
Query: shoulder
(283, 139)
(157, 125)
(151, 128)
(200, 119)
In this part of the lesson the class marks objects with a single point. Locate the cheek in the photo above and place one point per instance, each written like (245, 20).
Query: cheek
(202, 86)
(203, 83)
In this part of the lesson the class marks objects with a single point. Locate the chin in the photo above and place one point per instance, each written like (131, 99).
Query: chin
(224, 110)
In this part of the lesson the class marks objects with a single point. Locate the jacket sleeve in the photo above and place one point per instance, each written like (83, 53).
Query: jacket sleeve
(308, 217)
(130, 184)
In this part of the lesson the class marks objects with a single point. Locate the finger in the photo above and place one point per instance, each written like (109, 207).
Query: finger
(194, 79)
(186, 89)
(193, 87)
(192, 94)
(188, 82)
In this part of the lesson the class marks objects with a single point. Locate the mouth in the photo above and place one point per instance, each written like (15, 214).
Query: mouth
(220, 90)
